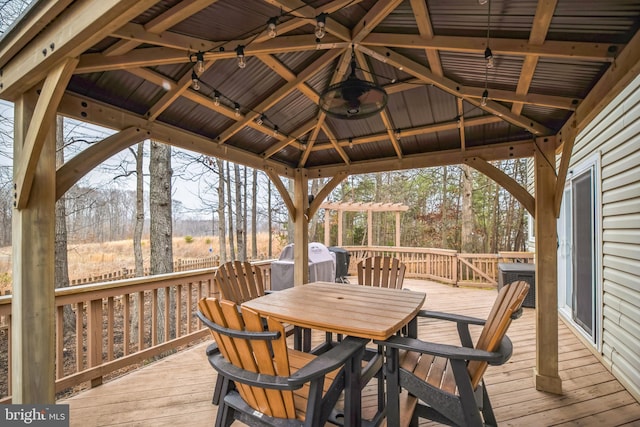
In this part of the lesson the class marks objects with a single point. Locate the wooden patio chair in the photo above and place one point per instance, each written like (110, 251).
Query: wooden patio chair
(447, 379)
(265, 382)
(239, 281)
(384, 272)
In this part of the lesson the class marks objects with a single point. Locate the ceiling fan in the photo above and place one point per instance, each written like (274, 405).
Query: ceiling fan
(353, 98)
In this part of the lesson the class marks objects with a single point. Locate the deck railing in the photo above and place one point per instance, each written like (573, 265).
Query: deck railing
(443, 265)
(102, 328)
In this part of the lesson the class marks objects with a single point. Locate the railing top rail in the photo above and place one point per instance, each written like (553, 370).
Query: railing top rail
(401, 249)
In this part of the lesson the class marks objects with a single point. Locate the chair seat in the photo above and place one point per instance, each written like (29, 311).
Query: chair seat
(297, 360)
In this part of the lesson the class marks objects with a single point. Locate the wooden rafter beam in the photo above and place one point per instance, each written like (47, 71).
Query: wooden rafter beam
(334, 142)
(39, 127)
(71, 172)
(453, 88)
(75, 30)
(425, 28)
(463, 142)
(516, 47)
(539, 29)
(504, 180)
(160, 24)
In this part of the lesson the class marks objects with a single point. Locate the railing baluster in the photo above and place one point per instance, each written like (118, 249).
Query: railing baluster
(59, 341)
(167, 317)
(126, 326)
(110, 321)
(79, 336)
(94, 337)
(140, 320)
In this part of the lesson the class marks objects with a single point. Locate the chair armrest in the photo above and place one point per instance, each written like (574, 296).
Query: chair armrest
(458, 318)
(451, 351)
(328, 361)
(242, 376)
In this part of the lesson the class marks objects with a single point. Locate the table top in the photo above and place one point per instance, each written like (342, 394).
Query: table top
(361, 311)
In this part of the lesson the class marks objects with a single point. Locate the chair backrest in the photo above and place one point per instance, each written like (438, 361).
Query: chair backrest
(252, 352)
(508, 302)
(383, 272)
(239, 281)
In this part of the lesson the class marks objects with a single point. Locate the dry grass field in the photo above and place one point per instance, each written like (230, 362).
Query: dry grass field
(97, 258)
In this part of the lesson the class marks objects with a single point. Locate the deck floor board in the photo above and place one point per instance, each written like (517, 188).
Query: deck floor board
(177, 389)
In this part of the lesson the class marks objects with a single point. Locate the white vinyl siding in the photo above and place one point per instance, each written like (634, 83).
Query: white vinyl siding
(615, 134)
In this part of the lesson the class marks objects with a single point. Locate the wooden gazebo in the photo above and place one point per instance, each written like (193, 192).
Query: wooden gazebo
(133, 67)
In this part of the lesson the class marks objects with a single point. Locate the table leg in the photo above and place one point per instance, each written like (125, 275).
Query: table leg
(353, 391)
(393, 386)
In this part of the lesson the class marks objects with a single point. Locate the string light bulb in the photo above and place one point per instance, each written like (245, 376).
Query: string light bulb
(240, 55)
(199, 63)
(216, 98)
(276, 131)
(488, 56)
(271, 27)
(195, 81)
(260, 120)
(236, 107)
(321, 22)
(397, 134)
(350, 142)
(485, 97)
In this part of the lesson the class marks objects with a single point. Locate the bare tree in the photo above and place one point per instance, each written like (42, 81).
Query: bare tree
(137, 232)
(222, 234)
(467, 244)
(232, 251)
(254, 215)
(242, 249)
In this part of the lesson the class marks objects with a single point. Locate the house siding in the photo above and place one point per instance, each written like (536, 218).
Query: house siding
(615, 134)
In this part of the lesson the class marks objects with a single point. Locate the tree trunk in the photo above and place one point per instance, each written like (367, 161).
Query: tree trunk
(254, 215)
(61, 262)
(444, 207)
(161, 227)
(313, 221)
(269, 219)
(242, 250)
(466, 244)
(232, 250)
(137, 232)
(222, 231)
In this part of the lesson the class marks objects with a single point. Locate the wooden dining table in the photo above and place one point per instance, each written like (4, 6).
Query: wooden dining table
(345, 309)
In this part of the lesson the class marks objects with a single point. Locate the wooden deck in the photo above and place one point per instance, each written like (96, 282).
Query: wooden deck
(177, 390)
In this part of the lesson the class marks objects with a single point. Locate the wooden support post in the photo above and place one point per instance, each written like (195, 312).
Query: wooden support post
(301, 228)
(398, 228)
(33, 307)
(546, 371)
(369, 228)
(327, 227)
(339, 227)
